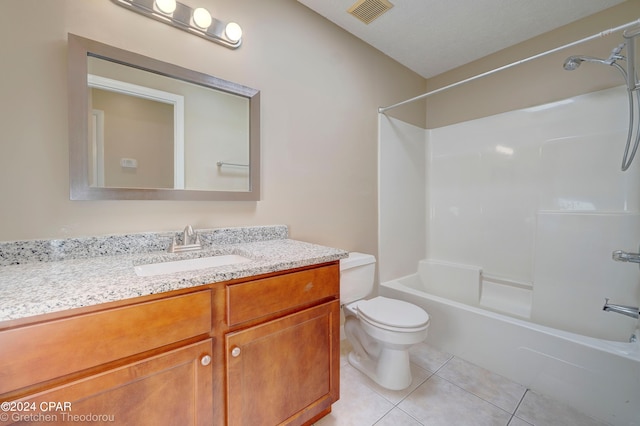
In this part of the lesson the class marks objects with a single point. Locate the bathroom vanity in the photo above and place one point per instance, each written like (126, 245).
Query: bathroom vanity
(254, 343)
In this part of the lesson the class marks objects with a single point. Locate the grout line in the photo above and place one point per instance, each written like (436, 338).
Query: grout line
(520, 402)
(517, 405)
(429, 375)
(445, 363)
(478, 396)
(418, 421)
(395, 404)
(516, 409)
(383, 416)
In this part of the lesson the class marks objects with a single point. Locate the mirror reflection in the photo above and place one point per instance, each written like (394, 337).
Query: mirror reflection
(158, 131)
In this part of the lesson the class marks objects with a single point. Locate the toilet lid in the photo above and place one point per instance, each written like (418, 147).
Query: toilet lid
(393, 313)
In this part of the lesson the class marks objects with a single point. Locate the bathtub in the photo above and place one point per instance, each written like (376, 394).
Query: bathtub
(598, 377)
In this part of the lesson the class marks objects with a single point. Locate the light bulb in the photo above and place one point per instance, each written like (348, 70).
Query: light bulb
(202, 18)
(166, 6)
(233, 31)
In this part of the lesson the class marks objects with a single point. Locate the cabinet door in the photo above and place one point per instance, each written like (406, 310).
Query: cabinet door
(174, 388)
(285, 371)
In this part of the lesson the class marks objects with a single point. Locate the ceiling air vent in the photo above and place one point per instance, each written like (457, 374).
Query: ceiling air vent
(368, 10)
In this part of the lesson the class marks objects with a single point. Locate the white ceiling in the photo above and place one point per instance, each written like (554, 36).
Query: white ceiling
(434, 36)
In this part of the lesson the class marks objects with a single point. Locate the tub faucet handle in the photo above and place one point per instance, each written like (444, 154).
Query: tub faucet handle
(623, 256)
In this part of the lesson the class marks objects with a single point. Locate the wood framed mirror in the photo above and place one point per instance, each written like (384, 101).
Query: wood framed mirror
(143, 129)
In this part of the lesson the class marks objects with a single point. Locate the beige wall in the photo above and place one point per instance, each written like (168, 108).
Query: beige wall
(533, 83)
(320, 86)
(139, 129)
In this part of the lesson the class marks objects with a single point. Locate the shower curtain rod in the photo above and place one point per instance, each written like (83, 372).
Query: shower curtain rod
(513, 64)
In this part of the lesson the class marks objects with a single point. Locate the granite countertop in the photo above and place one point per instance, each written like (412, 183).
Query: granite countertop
(40, 287)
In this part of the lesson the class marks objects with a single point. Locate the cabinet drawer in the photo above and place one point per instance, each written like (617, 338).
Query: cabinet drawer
(255, 299)
(35, 353)
(172, 388)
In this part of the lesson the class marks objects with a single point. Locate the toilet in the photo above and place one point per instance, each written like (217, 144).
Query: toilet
(381, 330)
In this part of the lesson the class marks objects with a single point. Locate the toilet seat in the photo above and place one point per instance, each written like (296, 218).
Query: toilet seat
(393, 315)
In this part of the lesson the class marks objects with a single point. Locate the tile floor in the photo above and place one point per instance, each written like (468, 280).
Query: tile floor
(446, 391)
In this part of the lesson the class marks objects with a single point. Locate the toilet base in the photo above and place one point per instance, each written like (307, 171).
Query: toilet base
(380, 354)
(391, 369)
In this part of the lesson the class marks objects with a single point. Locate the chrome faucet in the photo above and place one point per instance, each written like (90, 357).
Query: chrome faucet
(623, 256)
(186, 234)
(630, 311)
(190, 242)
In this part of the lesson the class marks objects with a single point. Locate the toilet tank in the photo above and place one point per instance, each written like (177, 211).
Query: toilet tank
(357, 273)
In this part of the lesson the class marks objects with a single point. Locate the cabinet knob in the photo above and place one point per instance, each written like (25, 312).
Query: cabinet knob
(235, 352)
(205, 360)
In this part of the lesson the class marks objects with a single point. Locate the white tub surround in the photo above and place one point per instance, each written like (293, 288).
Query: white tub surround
(598, 377)
(521, 214)
(39, 277)
(534, 199)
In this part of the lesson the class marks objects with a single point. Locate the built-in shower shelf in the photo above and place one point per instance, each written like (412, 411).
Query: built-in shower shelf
(506, 296)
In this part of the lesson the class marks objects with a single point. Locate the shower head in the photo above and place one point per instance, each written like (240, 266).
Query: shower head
(573, 62)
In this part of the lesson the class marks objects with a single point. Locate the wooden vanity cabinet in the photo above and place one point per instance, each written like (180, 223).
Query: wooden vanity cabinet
(282, 350)
(145, 363)
(253, 351)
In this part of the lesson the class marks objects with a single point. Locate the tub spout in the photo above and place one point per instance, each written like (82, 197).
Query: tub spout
(623, 256)
(630, 311)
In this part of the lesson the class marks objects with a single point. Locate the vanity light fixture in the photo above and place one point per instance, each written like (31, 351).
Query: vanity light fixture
(233, 31)
(166, 6)
(196, 21)
(202, 18)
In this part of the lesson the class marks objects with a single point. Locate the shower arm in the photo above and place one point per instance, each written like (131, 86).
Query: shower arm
(601, 34)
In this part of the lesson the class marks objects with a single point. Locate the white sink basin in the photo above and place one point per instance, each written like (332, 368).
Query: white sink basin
(161, 268)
